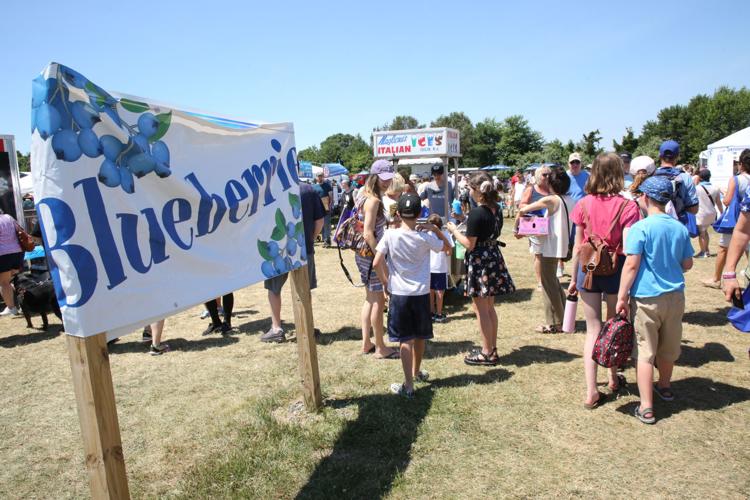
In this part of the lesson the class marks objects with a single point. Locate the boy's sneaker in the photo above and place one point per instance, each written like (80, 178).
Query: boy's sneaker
(400, 390)
(205, 314)
(699, 255)
(439, 318)
(9, 311)
(559, 273)
(273, 335)
(158, 351)
(225, 328)
(422, 376)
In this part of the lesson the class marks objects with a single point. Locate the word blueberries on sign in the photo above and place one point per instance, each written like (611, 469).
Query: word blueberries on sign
(176, 219)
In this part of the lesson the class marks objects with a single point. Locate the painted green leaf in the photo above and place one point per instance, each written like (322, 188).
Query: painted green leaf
(263, 250)
(294, 200)
(277, 234)
(165, 120)
(299, 229)
(134, 106)
(93, 88)
(280, 220)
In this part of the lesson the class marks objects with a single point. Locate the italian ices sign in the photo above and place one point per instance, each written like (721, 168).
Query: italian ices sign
(148, 210)
(416, 142)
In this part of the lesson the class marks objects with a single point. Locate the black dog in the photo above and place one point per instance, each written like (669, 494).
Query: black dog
(36, 295)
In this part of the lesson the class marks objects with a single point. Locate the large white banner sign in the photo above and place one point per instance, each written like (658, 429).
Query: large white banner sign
(147, 210)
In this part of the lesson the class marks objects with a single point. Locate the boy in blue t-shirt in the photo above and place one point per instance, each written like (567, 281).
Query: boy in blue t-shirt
(658, 252)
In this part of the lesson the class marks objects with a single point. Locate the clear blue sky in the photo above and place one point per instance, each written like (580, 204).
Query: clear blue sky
(568, 67)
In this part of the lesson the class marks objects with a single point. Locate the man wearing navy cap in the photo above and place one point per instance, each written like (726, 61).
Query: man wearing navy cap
(684, 199)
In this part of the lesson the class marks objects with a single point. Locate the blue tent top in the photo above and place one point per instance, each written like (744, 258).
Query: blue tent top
(534, 166)
(335, 169)
(305, 169)
(497, 167)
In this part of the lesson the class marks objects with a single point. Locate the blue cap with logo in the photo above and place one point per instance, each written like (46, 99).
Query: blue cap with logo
(669, 149)
(658, 188)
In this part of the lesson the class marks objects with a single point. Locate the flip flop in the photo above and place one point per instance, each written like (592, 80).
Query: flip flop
(597, 403)
(392, 355)
(365, 353)
(641, 415)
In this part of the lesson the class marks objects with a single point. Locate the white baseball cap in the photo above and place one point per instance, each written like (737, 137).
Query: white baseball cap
(642, 163)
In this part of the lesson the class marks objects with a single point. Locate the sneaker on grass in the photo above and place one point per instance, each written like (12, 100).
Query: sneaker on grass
(273, 335)
(422, 376)
(9, 311)
(400, 390)
(214, 329)
(146, 337)
(158, 350)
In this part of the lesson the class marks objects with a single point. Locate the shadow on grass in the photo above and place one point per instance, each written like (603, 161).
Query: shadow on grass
(695, 393)
(717, 317)
(343, 333)
(175, 344)
(439, 349)
(536, 354)
(699, 356)
(374, 449)
(32, 337)
(260, 326)
(520, 295)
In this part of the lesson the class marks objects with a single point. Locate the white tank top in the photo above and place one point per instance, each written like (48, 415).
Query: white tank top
(555, 244)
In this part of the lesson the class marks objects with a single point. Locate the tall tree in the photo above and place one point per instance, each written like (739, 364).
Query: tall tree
(311, 154)
(517, 139)
(483, 150)
(401, 122)
(589, 145)
(628, 143)
(349, 150)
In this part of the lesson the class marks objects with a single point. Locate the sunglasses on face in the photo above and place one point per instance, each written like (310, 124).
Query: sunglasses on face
(575, 162)
(545, 175)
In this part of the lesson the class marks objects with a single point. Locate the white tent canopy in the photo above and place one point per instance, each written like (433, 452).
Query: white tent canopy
(721, 156)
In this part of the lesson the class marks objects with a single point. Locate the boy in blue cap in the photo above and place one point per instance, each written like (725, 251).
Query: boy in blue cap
(658, 252)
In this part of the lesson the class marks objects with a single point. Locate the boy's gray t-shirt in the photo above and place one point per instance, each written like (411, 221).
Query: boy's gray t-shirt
(408, 260)
(436, 195)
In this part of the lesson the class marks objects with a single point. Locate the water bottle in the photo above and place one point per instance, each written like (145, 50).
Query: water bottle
(569, 319)
(456, 206)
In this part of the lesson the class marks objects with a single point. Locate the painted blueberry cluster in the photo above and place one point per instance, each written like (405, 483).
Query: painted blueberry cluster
(286, 249)
(71, 122)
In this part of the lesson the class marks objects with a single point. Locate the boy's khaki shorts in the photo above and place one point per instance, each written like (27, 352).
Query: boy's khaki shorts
(658, 326)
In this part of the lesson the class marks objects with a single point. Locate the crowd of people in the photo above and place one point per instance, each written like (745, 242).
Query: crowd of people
(640, 213)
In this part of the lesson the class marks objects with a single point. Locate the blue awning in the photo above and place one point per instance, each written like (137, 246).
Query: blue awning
(334, 169)
(497, 167)
(305, 169)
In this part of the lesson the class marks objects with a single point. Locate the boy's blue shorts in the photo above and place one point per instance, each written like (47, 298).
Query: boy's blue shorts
(409, 318)
(438, 281)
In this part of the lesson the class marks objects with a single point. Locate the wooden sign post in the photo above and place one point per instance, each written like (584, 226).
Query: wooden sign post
(97, 413)
(95, 395)
(306, 347)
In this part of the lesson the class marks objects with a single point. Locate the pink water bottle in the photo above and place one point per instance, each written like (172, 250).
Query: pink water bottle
(569, 319)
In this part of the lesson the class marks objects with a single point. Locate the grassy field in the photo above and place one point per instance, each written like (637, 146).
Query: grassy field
(222, 417)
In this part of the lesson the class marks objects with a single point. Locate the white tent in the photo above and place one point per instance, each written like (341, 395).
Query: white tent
(721, 156)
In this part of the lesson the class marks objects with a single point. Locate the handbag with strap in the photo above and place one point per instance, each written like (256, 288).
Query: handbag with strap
(728, 218)
(24, 239)
(595, 256)
(350, 235)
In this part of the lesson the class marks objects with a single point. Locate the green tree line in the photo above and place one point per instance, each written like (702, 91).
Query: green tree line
(512, 141)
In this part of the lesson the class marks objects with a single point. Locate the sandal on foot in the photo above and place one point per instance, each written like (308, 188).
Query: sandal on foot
(422, 376)
(590, 406)
(642, 415)
(621, 384)
(478, 358)
(547, 329)
(664, 393)
(369, 351)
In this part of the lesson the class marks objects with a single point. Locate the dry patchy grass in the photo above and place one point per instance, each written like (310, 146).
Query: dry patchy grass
(219, 417)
